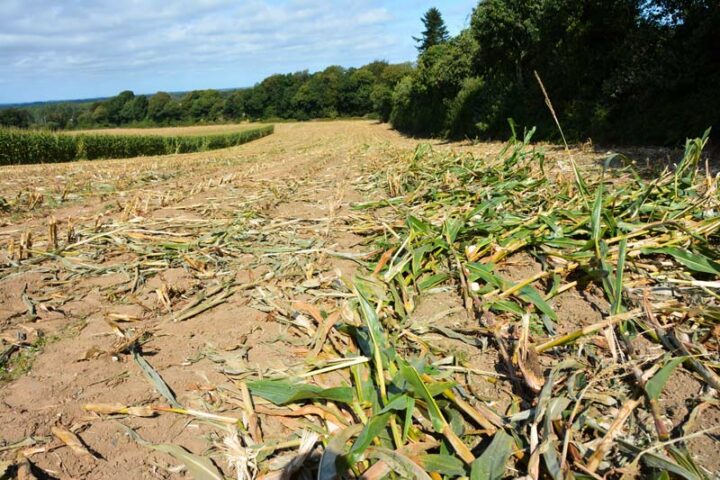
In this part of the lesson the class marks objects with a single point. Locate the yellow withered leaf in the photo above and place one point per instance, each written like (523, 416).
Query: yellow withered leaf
(119, 408)
(105, 408)
(71, 440)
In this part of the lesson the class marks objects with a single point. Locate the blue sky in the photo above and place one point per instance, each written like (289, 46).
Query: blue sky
(66, 49)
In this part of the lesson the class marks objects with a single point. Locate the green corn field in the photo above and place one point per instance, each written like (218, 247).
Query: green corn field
(25, 147)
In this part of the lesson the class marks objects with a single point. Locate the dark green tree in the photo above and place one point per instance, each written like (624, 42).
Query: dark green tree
(163, 110)
(255, 102)
(377, 67)
(139, 108)
(355, 89)
(319, 96)
(58, 115)
(508, 33)
(172, 112)
(421, 99)
(15, 117)
(114, 107)
(156, 106)
(234, 107)
(203, 105)
(98, 114)
(435, 31)
(382, 92)
(134, 110)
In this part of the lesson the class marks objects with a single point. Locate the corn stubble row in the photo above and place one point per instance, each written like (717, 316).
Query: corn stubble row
(26, 147)
(381, 396)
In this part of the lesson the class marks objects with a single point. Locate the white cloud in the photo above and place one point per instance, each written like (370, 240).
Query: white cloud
(376, 15)
(77, 48)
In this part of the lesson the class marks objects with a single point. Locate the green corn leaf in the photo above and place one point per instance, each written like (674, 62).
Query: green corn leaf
(484, 272)
(373, 323)
(436, 388)
(409, 408)
(378, 423)
(655, 385)
(432, 281)
(529, 294)
(155, 379)
(417, 257)
(451, 228)
(491, 464)
(398, 404)
(418, 226)
(660, 461)
(582, 186)
(282, 392)
(605, 272)
(694, 261)
(442, 464)
(411, 376)
(507, 306)
(551, 221)
(328, 469)
(377, 339)
(398, 462)
(617, 304)
(656, 460)
(683, 458)
(397, 300)
(596, 218)
(372, 429)
(397, 268)
(450, 333)
(552, 462)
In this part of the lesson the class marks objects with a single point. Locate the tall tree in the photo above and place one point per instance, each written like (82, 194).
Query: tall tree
(435, 31)
(156, 104)
(508, 32)
(15, 117)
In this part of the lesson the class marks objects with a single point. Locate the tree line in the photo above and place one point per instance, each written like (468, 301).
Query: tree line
(624, 71)
(330, 93)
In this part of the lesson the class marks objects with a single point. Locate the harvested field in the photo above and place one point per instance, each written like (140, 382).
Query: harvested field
(336, 292)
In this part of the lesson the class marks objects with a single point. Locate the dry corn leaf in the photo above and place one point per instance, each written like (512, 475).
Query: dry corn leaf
(118, 408)
(71, 440)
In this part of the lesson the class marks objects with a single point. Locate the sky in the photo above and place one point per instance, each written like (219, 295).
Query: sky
(73, 49)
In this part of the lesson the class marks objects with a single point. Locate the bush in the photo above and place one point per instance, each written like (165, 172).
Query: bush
(23, 147)
(465, 111)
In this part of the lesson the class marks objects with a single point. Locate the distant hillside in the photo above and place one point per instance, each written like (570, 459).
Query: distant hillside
(80, 101)
(51, 102)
